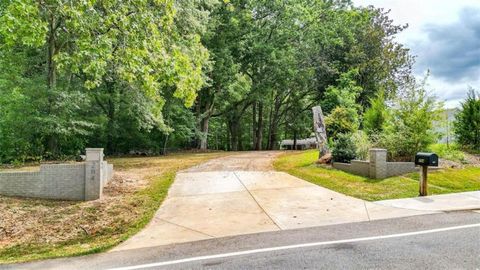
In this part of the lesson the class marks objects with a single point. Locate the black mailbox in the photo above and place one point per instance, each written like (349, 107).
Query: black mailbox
(426, 159)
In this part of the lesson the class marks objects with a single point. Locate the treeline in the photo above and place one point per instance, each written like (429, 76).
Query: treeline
(159, 74)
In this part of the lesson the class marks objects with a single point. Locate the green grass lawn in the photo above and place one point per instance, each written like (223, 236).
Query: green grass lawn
(302, 165)
(33, 229)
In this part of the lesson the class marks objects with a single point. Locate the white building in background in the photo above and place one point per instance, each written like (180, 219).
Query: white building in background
(445, 127)
(302, 144)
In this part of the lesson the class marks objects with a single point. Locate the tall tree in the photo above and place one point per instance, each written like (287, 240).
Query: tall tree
(109, 47)
(467, 122)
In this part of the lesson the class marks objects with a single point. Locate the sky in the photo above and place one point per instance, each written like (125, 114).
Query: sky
(444, 35)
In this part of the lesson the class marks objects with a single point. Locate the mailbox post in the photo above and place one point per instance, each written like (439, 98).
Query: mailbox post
(424, 160)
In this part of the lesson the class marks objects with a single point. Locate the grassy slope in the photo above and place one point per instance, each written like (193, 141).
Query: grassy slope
(126, 215)
(301, 164)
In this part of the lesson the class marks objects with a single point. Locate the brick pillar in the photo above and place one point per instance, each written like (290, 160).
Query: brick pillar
(378, 163)
(93, 173)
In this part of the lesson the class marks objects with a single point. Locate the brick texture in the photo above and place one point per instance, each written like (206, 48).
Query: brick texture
(82, 181)
(377, 167)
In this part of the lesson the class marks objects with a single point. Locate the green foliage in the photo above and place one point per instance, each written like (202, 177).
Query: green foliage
(467, 124)
(20, 23)
(451, 151)
(344, 94)
(376, 115)
(410, 127)
(362, 145)
(340, 105)
(124, 74)
(341, 120)
(96, 73)
(344, 148)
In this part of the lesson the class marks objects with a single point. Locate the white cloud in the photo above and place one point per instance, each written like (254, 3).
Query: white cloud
(453, 69)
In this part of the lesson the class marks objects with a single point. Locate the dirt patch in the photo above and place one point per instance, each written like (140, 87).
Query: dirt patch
(472, 159)
(469, 160)
(35, 228)
(241, 161)
(48, 221)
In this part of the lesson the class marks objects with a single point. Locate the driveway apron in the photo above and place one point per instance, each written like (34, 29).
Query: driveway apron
(242, 194)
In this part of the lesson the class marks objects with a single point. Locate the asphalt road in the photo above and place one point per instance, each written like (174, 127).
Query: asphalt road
(436, 241)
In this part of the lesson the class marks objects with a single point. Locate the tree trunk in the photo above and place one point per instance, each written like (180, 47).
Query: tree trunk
(294, 146)
(254, 125)
(204, 133)
(111, 115)
(52, 139)
(259, 134)
(272, 138)
(270, 122)
(272, 127)
(52, 50)
(234, 128)
(204, 112)
(164, 151)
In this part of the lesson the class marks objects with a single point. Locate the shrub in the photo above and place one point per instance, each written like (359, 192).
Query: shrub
(341, 120)
(397, 144)
(375, 117)
(344, 149)
(409, 129)
(362, 145)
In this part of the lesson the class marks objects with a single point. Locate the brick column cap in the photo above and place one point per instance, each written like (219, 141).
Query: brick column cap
(94, 154)
(93, 149)
(378, 150)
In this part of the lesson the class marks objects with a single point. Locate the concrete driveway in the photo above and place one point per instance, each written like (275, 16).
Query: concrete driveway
(241, 194)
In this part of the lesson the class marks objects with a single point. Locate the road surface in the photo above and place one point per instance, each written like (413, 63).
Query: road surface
(436, 241)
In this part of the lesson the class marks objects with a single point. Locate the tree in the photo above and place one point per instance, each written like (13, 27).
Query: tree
(467, 122)
(383, 63)
(341, 107)
(123, 74)
(343, 94)
(376, 115)
(105, 49)
(410, 127)
(315, 51)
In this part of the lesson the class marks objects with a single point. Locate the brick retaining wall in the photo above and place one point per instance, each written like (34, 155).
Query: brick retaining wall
(81, 181)
(377, 167)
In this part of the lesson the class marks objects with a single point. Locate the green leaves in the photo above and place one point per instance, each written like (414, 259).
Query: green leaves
(20, 23)
(409, 128)
(255, 67)
(101, 50)
(134, 41)
(467, 124)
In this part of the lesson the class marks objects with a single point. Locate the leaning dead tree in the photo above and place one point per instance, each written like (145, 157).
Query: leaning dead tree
(320, 131)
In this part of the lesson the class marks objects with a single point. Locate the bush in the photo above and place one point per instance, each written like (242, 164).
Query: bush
(341, 120)
(409, 129)
(344, 149)
(397, 144)
(362, 145)
(375, 117)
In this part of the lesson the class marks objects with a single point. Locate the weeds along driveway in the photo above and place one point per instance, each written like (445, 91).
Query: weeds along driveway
(242, 194)
(32, 229)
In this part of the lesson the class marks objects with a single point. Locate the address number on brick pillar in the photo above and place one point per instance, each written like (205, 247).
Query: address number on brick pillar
(424, 160)
(93, 177)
